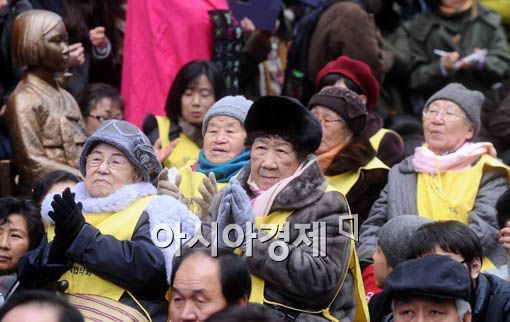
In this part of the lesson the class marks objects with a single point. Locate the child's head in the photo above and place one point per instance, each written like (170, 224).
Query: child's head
(195, 89)
(451, 238)
(393, 244)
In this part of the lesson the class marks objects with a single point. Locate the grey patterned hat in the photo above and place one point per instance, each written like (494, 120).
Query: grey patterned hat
(130, 140)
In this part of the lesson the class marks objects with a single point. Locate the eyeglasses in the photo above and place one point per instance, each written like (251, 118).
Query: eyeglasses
(445, 114)
(115, 162)
(327, 122)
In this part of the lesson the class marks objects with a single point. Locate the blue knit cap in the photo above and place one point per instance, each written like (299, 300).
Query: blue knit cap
(233, 106)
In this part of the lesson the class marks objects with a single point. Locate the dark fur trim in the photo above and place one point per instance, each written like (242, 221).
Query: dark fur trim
(356, 154)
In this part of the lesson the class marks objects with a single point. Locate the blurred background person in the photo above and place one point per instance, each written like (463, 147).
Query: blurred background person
(177, 136)
(100, 102)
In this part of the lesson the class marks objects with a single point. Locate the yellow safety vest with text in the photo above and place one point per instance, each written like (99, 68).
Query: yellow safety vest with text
(277, 219)
(120, 225)
(185, 150)
(451, 195)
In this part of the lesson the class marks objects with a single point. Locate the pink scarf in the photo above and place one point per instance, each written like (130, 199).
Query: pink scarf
(428, 162)
(265, 198)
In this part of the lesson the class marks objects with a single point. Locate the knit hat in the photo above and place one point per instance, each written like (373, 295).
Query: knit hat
(345, 103)
(233, 106)
(469, 101)
(281, 115)
(129, 140)
(436, 276)
(395, 236)
(357, 71)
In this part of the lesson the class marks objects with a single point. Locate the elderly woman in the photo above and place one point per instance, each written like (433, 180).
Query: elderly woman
(449, 178)
(357, 76)
(43, 119)
(100, 240)
(221, 158)
(345, 155)
(283, 189)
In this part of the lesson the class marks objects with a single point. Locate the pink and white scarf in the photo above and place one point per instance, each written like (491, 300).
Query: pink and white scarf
(264, 200)
(427, 161)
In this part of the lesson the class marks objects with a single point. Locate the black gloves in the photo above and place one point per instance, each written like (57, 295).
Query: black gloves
(69, 220)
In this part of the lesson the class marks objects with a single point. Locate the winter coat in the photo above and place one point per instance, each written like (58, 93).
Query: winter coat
(344, 29)
(10, 74)
(365, 191)
(399, 197)
(492, 299)
(136, 265)
(479, 28)
(46, 125)
(302, 280)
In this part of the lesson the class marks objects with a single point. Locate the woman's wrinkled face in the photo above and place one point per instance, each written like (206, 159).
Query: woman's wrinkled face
(445, 127)
(272, 160)
(56, 55)
(334, 130)
(196, 100)
(108, 169)
(224, 139)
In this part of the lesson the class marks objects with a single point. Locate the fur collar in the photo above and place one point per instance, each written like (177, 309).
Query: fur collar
(299, 193)
(354, 155)
(118, 200)
(167, 214)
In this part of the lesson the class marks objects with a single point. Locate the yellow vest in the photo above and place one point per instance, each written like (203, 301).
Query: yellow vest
(276, 220)
(120, 225)
(192, 181)
(345, 181)
(451, 195)
(376, 139)
(184, 151)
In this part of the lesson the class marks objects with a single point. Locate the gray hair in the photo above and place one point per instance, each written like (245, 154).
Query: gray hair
(463, 308)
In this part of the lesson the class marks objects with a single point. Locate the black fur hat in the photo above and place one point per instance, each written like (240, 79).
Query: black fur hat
(285, 117)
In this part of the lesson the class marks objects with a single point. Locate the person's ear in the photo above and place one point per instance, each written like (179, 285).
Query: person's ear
(363, 98)
(476, 267)
(244, 300)
(467, 317)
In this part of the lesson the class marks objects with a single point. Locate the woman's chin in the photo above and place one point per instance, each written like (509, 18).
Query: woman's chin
(99, 192)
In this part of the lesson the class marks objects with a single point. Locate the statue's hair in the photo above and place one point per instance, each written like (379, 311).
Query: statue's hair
(28, 33)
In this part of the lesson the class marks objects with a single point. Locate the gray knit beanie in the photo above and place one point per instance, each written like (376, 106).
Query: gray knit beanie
(129, 140)
(469, 101)
(233, 106)
(395, 235)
